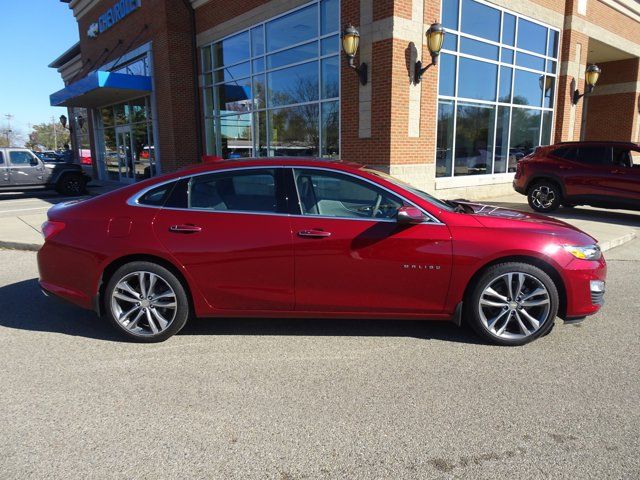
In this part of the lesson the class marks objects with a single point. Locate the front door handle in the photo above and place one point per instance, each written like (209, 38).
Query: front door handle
(314, 233)
(186, 228)
(618, 172)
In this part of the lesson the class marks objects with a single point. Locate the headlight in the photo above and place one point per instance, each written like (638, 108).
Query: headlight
(588, 252)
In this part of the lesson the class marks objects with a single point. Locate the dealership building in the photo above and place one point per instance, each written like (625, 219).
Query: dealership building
(156, 85)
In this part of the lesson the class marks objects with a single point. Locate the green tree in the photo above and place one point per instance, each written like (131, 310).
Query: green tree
(48, 136)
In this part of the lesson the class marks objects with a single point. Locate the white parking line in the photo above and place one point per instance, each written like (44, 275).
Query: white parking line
(24, 209)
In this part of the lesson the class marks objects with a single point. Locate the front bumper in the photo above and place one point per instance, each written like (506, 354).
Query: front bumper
(585, 287)
(518, 187)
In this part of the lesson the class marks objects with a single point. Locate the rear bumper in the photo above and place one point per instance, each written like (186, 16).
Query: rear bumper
(66, 274)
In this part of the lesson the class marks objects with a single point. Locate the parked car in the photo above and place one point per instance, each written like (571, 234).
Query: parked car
(50, 156)
(21, 169)
(601, 174)
(313, 238)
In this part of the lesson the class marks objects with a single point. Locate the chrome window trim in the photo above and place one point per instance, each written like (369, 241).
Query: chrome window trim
(133, 201)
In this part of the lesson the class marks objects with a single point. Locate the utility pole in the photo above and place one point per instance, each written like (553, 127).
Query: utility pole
(8, 131)
(55, 133)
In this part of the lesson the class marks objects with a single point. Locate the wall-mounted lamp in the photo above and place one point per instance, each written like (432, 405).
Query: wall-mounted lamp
(350, 42)
(435, 39)
(591, 75)
(63, 121)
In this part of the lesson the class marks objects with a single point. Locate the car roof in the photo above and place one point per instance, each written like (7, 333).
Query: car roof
(270, 161)
(595, 142)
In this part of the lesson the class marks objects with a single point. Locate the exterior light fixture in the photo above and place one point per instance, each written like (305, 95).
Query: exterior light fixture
(80, 120)
(350, 43)
(63, 121)
(435, 39)
(591, 75)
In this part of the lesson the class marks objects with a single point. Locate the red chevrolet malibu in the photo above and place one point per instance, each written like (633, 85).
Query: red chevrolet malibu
(313, 238)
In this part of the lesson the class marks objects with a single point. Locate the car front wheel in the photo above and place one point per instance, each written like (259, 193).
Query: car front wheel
(146, 302)
(512, 304)
(544, 197)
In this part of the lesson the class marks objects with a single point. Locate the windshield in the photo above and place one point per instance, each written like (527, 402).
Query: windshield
(424, 195)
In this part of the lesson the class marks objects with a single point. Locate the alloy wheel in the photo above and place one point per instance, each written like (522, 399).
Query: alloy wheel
(543, 197)
(144, 303)
(514, 305)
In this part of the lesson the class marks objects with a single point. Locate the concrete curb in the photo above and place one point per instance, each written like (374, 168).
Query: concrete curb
(29, 247)
(616, 242)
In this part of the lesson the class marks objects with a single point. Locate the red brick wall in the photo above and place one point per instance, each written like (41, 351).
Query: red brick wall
(611, 117)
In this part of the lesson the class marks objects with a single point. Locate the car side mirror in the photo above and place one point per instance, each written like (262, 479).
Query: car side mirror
(34, 162)
(410, 216)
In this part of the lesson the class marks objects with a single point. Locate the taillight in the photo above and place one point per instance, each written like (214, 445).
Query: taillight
(51, 228)
(519, 169)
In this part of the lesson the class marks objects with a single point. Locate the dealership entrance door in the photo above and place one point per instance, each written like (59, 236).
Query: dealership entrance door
(126, 156)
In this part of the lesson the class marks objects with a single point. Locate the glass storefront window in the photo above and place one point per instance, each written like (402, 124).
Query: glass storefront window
(480, 20)
(474, 138)
(444, 148)
(125, 136)
(469, 83)
(497, 83)
(293, 28)
(283, 77)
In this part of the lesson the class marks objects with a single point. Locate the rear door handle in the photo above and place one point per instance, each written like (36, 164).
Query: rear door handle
(314, 233)
(186, 228)
(618, 172)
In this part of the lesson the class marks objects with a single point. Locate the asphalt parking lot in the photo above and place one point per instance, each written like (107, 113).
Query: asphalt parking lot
(315, 398)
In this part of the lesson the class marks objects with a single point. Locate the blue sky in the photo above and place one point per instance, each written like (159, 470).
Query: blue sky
(32, 34)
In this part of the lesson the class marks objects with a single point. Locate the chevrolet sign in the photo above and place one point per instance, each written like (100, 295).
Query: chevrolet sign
(113, 15)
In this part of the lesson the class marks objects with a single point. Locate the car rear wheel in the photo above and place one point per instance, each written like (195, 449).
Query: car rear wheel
(146, 302)
(512, 304)
(544, 197)
(71, 184)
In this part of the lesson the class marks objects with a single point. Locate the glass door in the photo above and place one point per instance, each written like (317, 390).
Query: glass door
(126, 154)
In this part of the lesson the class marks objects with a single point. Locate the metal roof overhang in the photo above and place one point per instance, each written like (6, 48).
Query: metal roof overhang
(101, 88)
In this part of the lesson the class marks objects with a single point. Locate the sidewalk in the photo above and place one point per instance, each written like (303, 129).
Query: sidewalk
(20, 226)
(22, 215)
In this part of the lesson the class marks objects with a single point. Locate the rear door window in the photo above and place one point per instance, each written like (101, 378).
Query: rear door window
(621, 157)
(240, 191)
(1, 158)
(594, 155)
(568, 153)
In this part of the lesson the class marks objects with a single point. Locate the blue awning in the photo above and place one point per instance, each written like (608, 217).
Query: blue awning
(101, 88)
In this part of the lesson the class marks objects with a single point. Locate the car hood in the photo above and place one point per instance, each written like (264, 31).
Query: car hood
(499, 217)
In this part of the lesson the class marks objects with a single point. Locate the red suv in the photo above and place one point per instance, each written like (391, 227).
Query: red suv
(601, 174)
(312, 238)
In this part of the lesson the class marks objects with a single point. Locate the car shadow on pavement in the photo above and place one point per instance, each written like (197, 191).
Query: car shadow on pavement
(325, 327)
(24, 307)
(616, 217)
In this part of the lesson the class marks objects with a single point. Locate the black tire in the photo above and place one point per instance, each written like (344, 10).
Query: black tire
(71, 184)
(544, 196)
(473, 311)
(181, 300)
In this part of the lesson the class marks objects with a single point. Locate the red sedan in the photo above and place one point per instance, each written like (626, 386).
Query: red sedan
(313, 238)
